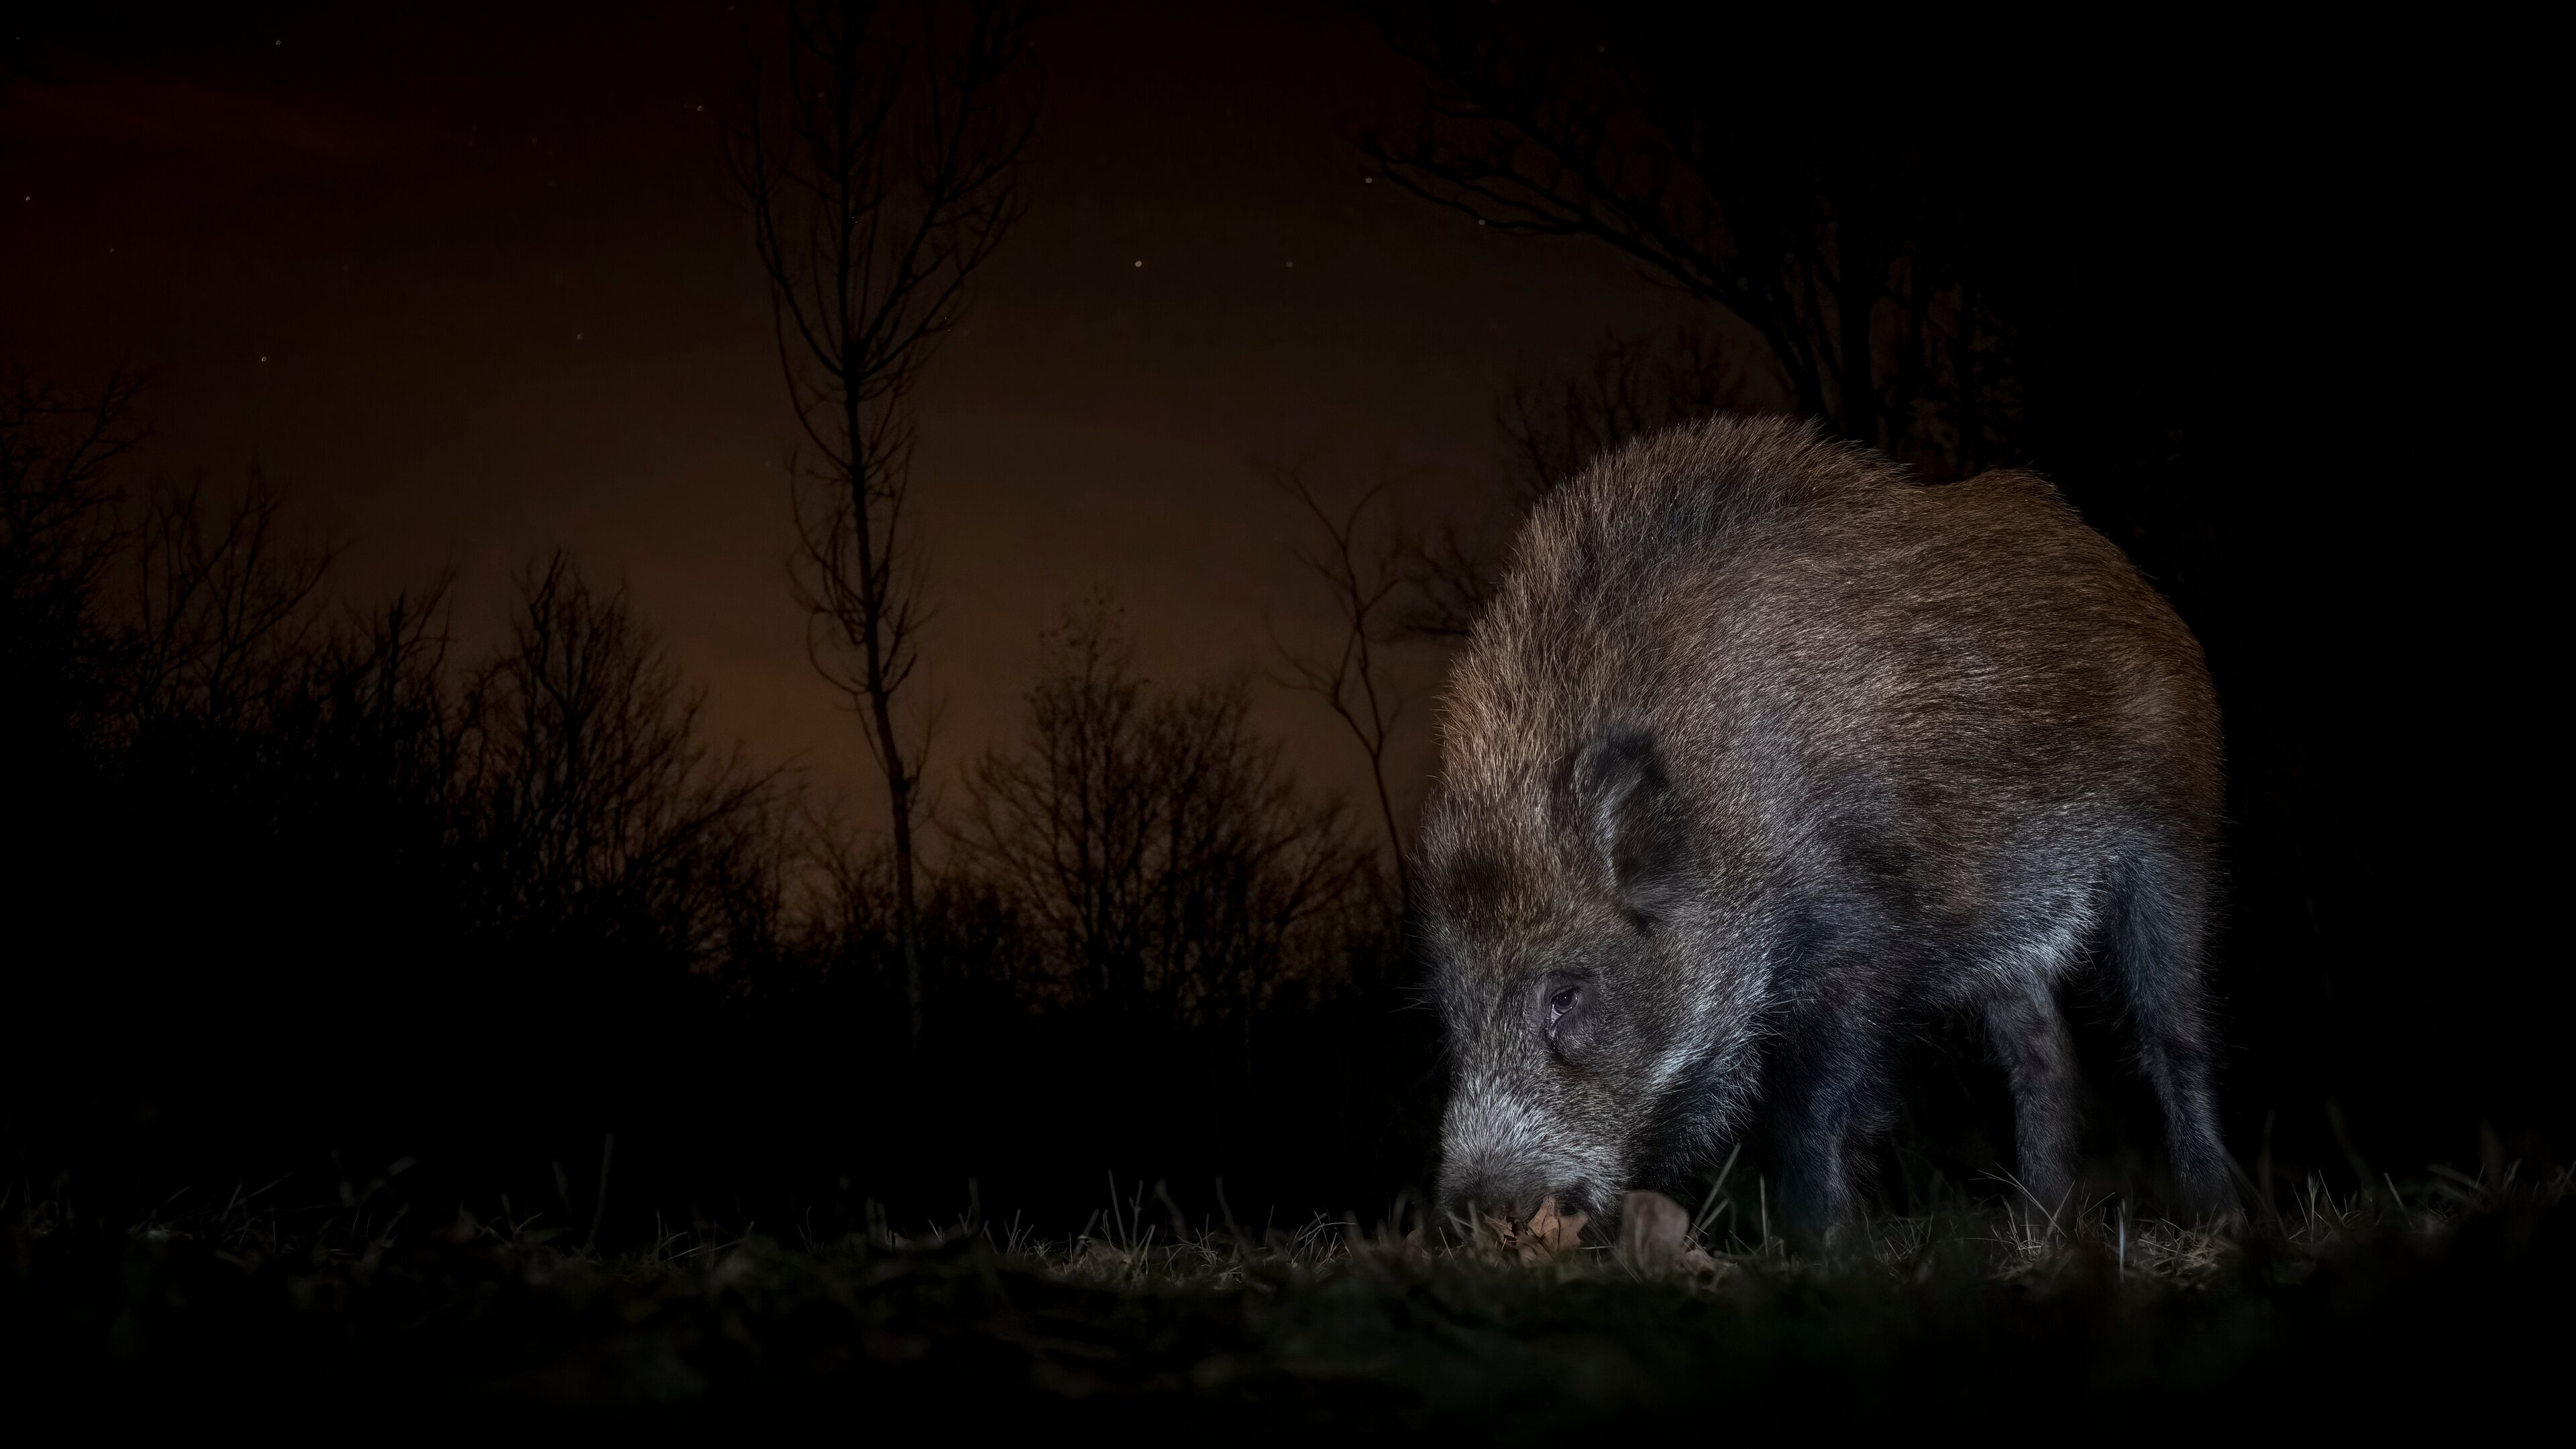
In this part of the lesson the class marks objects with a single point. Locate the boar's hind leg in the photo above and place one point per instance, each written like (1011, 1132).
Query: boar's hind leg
(2031, 1043)
(2160, 916)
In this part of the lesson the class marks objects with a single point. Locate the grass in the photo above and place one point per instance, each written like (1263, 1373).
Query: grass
(2449, 1290)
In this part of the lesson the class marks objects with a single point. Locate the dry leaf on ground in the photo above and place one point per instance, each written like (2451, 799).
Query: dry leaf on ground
(1654, 1236)
(1653, 1231)
(1549, 1233)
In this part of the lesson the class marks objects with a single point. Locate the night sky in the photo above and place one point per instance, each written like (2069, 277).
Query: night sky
(471, 285)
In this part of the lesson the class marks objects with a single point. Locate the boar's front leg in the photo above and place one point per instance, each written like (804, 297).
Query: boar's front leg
(1833, 1086)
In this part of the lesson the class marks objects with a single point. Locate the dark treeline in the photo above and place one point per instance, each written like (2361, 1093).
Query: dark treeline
(292, 881)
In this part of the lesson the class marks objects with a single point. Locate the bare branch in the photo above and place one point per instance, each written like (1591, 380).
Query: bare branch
(881, 173)
(1161, 852)
(1361, 582)
(1813, 224)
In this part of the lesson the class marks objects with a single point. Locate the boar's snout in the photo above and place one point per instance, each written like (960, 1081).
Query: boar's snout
(1483, 1193)
(1502, 1157)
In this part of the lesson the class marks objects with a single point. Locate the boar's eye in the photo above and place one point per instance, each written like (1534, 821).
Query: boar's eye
(1557, 1006)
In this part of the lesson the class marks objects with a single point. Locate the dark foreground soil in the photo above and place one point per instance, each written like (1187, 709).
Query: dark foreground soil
(2462, 1323)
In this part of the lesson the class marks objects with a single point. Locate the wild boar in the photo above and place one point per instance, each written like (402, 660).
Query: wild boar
(1762, 756)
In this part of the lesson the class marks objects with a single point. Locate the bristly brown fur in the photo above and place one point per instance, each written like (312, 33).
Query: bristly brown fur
(1762, 752)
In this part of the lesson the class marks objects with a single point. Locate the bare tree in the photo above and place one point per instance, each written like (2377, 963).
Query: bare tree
(594, 803)
(1810, 218)
(1160, 852)
(1364, 581)
(60, 536)
(1067, 820)
(224, 606)
(880, 167)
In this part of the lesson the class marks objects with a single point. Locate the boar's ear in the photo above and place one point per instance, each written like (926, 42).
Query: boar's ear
(1623, 797)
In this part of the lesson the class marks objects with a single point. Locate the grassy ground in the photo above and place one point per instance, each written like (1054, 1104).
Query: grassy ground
(2449, 1294)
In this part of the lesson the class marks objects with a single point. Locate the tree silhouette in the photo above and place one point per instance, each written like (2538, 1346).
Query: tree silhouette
(1837, 229)
(597, 808)
(1363, 582)
(1161, 853)
(60, 537)
(880, 167)
(223, 613)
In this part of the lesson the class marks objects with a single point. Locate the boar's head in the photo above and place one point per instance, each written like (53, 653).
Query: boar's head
(1568, 925)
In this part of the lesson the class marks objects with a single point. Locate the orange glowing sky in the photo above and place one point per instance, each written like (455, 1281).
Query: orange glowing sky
(471, 286)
